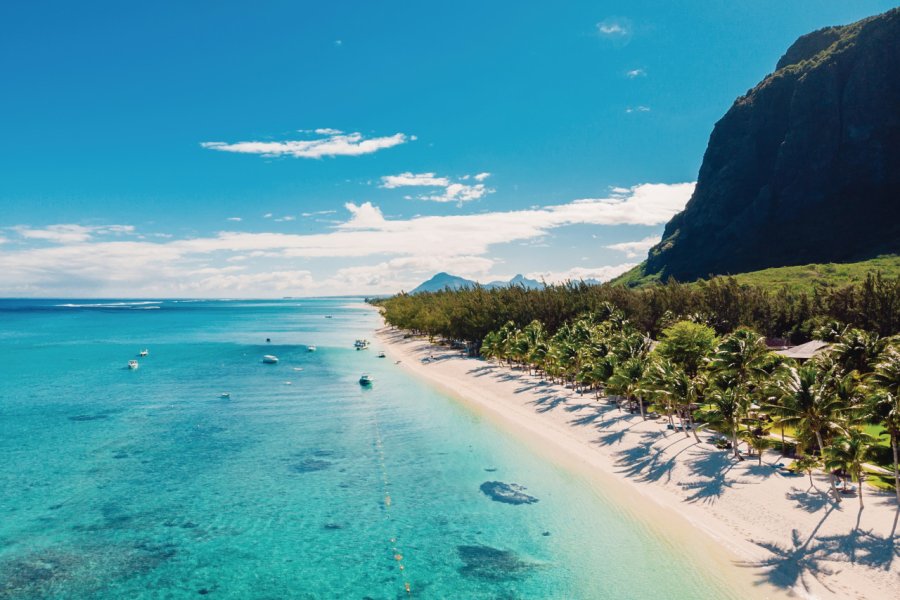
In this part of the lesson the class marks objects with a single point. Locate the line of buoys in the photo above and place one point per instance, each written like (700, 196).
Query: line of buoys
(398, 555)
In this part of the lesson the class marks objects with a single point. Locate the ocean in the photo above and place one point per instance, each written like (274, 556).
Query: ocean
(147, 483)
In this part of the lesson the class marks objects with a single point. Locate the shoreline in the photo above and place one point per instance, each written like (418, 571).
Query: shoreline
(765, 534)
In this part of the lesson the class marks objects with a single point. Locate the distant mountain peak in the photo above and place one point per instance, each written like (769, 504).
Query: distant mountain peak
(442, 281)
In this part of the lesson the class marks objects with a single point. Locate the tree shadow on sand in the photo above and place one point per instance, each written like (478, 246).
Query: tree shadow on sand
(482, 371)
(645, 462)
(713, 468)
(804, 560)
(810, 501)
(548, 402)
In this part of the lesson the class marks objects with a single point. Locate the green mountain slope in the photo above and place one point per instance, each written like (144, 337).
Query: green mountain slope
(798, 277)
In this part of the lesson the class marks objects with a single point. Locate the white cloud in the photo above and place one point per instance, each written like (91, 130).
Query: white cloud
(409, 179)
(318, 212)
(452, 192)
(267, 216)
(634, 249)
(615, 28)
(286, 218)
(604, 273)
(635, 73)
(327, 131)
(71, 233)
(235, 219)
(639, 108)
(334, 144)
(389, 254)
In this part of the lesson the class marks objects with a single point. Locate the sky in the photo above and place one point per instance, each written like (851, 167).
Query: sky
(269, 149)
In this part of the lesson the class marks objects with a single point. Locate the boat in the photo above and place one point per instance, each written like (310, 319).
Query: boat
(133, 364)
(381, 354)
(311, 348)
(225, 395)
(144, 353)
(361, 344)
(328, 316)
(365, 380)
(270, 359)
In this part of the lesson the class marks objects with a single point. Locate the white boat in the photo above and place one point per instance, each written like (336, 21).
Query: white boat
(270, 359)
(381, 354)
(133, 364)
(311, 348)
(144, 353)
(225, 395)
(365, 380)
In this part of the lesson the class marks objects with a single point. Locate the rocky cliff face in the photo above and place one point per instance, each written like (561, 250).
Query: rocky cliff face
(805, 167)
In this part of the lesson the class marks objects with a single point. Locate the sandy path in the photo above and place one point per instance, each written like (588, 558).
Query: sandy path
(768, 532)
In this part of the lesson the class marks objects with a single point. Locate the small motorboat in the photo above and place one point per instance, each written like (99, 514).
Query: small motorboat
(270, 359)
(328, 316)
(381, 354)
(144, 353)
(311, 348)
(365, 380)
(225, 395)
(361, 344)
(133, 364)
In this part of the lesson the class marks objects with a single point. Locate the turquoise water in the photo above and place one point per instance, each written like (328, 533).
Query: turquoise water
(146, 484)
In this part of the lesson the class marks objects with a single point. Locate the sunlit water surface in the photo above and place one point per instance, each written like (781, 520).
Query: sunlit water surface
(118, 483)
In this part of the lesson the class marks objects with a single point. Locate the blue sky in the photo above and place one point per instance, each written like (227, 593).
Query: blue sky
(363, 146)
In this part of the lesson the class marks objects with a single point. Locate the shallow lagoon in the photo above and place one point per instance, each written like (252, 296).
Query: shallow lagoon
(302, 484)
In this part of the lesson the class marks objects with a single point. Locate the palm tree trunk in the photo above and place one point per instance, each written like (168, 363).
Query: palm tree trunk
(834, 490)
(896, 471)
(734, 444)
(811, 484)
(691, 423)
(641, 406)
(859, 486)
(784, 446)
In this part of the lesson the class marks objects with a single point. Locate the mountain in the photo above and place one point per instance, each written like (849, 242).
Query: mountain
(518, 280)
(443, 281)
(804, 168)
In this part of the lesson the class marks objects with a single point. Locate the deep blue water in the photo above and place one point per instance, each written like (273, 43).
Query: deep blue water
(147, 484)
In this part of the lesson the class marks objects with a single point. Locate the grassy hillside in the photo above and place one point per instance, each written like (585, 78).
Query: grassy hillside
(802, 277)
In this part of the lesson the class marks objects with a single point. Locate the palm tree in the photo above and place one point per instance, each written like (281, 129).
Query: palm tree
(807, 463)
(628, 380)
(678, 390)
(856, 350)
(724, 410)
(759, 441)
(808, 407)
(744, 354)
(848, 453)
(884, 402)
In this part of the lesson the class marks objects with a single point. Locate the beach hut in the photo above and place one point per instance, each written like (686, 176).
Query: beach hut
(804, 352)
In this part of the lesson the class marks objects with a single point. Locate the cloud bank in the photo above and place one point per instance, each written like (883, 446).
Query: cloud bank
(373, 254)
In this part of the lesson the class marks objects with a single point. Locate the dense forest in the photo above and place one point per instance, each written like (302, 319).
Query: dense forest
(721, 303)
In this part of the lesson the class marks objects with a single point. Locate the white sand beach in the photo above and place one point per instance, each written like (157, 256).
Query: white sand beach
(770, 533)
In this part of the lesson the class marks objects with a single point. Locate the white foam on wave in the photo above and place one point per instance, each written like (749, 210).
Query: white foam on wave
(113, 304)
